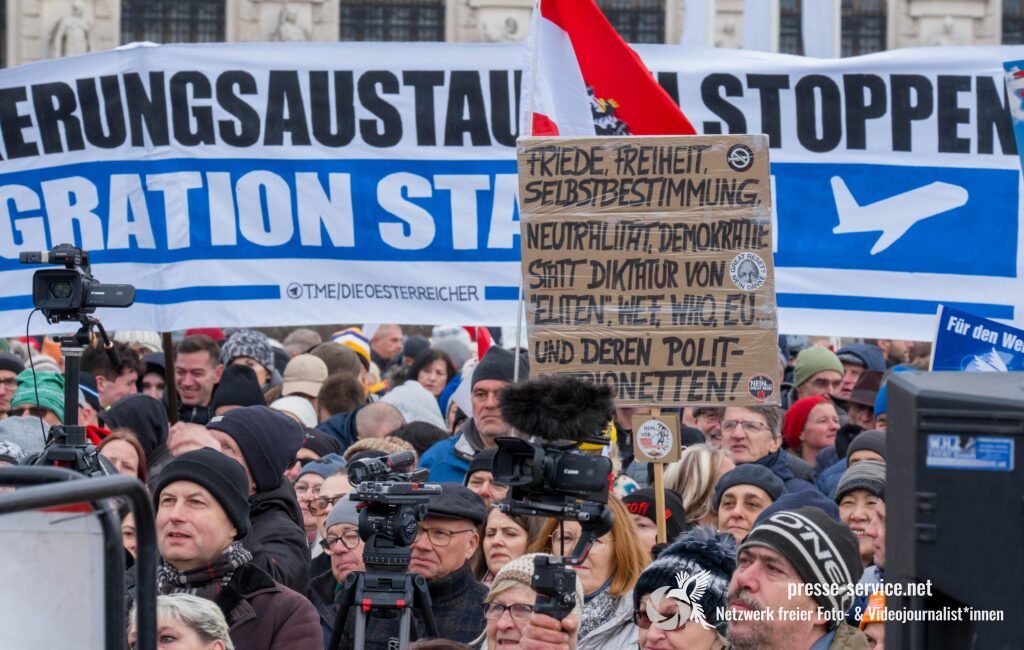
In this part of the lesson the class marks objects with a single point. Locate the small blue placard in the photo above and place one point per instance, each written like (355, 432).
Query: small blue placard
(984, 453)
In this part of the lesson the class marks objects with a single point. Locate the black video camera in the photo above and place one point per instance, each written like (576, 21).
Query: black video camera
(73, 294)
(394, 504)
(68, 293)
(554, 478)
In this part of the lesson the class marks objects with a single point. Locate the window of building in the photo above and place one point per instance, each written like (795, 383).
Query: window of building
(637, 21)
(791, 33)
(863, 26)
(392, 20)
(172, 21)
(1013, 22)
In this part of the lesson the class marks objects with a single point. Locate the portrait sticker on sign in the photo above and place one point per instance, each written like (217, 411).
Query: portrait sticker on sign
(647, 265)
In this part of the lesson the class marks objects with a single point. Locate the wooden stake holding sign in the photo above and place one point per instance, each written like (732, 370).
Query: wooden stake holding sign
(656, 440)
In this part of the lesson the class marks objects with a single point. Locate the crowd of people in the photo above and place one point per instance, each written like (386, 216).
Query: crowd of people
(257, 531)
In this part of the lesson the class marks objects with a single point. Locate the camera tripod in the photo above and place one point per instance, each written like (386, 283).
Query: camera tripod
(383, 591)
(68, 445)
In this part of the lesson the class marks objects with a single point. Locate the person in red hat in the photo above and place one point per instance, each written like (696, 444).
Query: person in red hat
(810, 425)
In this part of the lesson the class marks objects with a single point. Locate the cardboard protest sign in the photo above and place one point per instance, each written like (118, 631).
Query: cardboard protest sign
(976, 344)
(647, 264)
(656, 438)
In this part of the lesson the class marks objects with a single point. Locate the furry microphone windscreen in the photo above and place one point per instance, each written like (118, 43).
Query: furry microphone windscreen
(558, 408)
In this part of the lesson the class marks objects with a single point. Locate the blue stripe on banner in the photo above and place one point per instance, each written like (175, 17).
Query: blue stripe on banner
(890, 305)
(174, 296)
(195, 294)
(501, 293)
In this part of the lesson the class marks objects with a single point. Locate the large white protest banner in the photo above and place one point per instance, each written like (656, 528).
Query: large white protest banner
(275, 184)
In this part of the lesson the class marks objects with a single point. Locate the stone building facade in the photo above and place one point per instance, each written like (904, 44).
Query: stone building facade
(32, 30)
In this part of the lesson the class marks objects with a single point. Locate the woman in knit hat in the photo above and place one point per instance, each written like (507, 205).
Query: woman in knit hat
(860, 489)
(509, 604)
(810, 425)
(666, 611)
(742, 494)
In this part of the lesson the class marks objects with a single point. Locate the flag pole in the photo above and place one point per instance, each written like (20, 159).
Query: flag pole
(534, 34)
(534, 50)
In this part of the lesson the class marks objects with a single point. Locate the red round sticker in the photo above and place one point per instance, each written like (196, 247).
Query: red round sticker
(761, 387)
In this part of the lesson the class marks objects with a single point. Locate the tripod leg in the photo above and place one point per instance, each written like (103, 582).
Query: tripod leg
(422, 602)
(360, 634)
(404, 627)
(347, 598)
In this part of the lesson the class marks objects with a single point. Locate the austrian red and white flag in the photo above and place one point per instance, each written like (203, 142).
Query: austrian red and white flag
(581, 79)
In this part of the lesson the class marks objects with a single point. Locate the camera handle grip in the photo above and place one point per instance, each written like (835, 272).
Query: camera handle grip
(108, 345)
(554, 607)
(555, 584)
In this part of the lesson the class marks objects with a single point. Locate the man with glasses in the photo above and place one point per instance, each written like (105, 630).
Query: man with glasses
(39, 394)
(818, 371)
(445, 542)
(709, 421)
(332, 490)
(10, 367)
(751, 435)
(343, 546)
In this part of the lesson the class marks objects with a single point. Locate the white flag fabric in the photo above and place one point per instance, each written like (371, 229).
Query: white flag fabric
(554, 93)
(697, 23)
(821, 28)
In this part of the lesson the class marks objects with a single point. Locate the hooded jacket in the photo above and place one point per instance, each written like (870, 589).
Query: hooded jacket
(415, 403)
(322, 591)
(794, 472)
(146, 417)
(342, 427)
(448, 459)
(278, 541)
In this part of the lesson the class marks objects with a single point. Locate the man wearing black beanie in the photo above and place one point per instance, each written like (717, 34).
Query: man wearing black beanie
(202, 516)
(238, 387)
(794, 584)
(448, 460)
(266, 442)
(10, 366)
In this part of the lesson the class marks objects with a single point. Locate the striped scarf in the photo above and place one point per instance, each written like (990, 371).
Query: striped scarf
(206, 581)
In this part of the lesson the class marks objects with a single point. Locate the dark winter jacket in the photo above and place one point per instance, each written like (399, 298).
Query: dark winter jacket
(261, 613)
(277, 541)
(456, 601)
(825, 458)
(794, 472)
(322, 591)
(265, 615)
(828, 480)
(342, 427)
